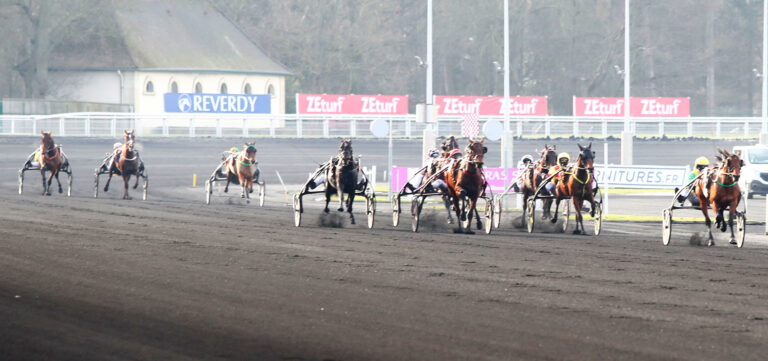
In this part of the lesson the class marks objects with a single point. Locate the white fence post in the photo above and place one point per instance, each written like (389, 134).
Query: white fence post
(298, 128)
(717, 129)
(61, 126)
(245, 127)
(604, 126)
(165, 127)
(661, 128)
(13, 126)
(34, 126)
(352, 128)
(191, 127)
(87, 126)
(272, 127)
(407, 128)
(689, 127)
(575, 127)
(746, 129)
(113, 127)
(520, 128)
(218, 127)
(547, 127)
(326, 132)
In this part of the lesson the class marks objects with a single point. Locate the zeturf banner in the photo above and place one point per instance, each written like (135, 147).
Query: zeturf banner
(638, 107)
(217, 103)
(641, 176)
(351, 104)
(518, 106)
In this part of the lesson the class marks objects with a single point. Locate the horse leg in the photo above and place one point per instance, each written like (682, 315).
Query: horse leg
(457, 209)
(327, 199)
(136, 185)
(50, 180)
(577, 205)
(708, 222)
(447, 203)
(42, 174)
(731, 215)
(546, 210)
(340, 193)
(469, 207)
(126, 180)
(723, 225)
(109, 178)
(59, 182)
(477, 217)
(350, 199)
(557, 207)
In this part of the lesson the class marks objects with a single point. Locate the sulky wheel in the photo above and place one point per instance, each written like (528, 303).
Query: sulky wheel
(21, 181)
(666, 226)
(96, 185)
(566, 214)
(145, 188)
(741, 228)
(208, 191)
(488, 215)
(497, 212)
(262, 193)
(69, 184)
(416, 205)
(530, 214)
(598, 220)
(370, 209)
(395, 210)
(296, 210)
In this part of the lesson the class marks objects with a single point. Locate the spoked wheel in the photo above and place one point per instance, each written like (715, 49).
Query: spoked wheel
(530, 214)
(21, 182)
(489, 215)
(145, 188)
(262, 193)
(666, 226)
(598, 218)
(741, 229)
(497, 212)
(416, 206)
(208, 191)
(96, 185)
(395, 210)
(297, 210)
(567, 214)
(69, 184)
(370, 209)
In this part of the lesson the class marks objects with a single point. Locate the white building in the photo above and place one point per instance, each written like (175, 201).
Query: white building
(168, 46)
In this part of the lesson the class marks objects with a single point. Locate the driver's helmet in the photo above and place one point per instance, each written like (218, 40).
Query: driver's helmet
(562, 156)
(526, 159)
(701, 163)
(117, 145)
(456, 153)
(234, 150)
(433, 153)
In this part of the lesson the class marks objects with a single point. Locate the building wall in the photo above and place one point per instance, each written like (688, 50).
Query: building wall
(85, 86)
(152, 101)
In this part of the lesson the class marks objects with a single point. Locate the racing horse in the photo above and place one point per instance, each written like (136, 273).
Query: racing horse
(125, 162)
(576, 184)
(241, 169)
(51, 160)
(341, 177)
(466, 183)
(722, 184)
(534, 175)
(447, 145)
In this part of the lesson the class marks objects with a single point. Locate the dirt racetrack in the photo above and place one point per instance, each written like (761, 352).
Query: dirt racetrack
(171, 278)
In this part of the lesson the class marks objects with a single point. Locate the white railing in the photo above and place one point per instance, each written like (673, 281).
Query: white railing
(321, 126)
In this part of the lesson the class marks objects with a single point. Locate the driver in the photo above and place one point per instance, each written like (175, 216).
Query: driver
(430, 157)
(562, 163)
(699, 166)
(525, 162)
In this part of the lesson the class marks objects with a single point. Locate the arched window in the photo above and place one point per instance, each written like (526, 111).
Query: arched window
(223, 89)
(174, 87)
(247, 89)
(198, 88)
(149, 88)
(271, 90)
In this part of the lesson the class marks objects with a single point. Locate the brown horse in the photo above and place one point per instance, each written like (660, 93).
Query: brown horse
(51, 160)
(533, 177)
(576, 184)
(341, 177)
(241, 169)
(466, 183)
(125, 162)
(722, 184)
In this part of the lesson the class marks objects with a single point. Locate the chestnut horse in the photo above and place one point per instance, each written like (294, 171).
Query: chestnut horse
(466, 183)
(341, 177)
(576, 184)
(241, 169)
(722, 184)
(534, 175)
(125, 162)
(51, 160)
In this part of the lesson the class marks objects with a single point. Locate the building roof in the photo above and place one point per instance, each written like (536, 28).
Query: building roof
(168, 35)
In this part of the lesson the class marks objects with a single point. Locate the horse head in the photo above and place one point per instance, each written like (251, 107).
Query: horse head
(448, 144)
(586, 157)
(250, 151)
(475, 151)
(730, 164)
(47, 142)
(548, 157)
(130, 140)
(345, 151)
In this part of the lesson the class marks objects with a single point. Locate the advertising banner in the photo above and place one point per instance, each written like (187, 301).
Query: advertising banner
(490, 106)
(638, 107)
(351, 104)
(217, 103)
(494, 176)
(641, 176)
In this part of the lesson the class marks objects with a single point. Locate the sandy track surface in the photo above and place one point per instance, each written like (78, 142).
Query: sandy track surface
(171, 278)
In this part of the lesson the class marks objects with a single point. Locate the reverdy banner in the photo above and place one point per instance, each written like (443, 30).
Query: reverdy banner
(217, 103)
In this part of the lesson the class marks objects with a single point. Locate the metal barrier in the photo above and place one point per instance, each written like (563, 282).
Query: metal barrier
(403, 126)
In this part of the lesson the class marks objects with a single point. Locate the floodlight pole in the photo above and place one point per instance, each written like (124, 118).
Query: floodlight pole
(626, 135)
(764, 114)
(506, 139)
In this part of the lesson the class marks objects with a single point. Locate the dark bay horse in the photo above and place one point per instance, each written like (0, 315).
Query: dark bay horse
(341, 177)
(534, 175)
(125, 162)
(241, 169)
(466, 183)
(576, 184)
(722, 191)
(51, 160)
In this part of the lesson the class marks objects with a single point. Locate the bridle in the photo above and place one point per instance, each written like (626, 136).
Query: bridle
(129, 143)
(243, 158)
(728, 171)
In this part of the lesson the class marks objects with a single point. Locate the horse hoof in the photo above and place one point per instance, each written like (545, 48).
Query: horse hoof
(352, 221)
(576, 231)
(553, 220)
(327, 210)
(450, 220)
(60, 191)
(711, 243)
(733, 241)
(340, 209)
(469, 231)
(479, 226)
(106, 189)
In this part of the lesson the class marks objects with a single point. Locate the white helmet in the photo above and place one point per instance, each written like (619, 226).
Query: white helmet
(526, 157)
